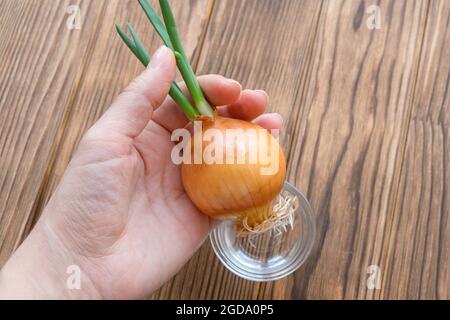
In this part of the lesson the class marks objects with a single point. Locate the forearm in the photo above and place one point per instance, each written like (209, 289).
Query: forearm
(41, 269)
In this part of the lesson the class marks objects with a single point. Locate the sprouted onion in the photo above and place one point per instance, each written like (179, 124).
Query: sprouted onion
(232, 190)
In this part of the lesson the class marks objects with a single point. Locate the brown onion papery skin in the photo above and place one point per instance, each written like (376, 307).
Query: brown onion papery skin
(240, 190)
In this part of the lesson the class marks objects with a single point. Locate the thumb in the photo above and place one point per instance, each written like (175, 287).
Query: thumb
(133, 109)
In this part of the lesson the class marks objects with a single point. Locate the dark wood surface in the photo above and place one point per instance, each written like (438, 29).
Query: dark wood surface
(366, 126)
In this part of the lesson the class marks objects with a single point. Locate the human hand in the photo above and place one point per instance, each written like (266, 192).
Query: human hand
(120, 212)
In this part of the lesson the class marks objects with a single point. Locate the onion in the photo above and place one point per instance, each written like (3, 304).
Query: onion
(243, 190)
(235, 189)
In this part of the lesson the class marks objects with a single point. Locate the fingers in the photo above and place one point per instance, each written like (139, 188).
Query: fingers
(218, 90)
(246, 105)
(133, 109)
(270, 121)
(250, 105)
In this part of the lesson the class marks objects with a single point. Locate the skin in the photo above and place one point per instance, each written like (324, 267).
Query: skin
(120, 213)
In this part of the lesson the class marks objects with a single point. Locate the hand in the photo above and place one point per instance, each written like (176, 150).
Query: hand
(120, 212)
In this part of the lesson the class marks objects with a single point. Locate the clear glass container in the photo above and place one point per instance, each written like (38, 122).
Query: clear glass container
(273, 254)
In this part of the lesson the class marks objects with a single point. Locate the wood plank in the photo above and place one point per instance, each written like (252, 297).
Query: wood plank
(248, 42)
(349, 143)
(40, 63)
(417, 265)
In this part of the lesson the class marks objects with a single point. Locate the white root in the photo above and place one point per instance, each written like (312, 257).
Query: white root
(282, 218)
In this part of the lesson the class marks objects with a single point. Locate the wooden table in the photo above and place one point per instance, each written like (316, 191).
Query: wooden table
(367, 126)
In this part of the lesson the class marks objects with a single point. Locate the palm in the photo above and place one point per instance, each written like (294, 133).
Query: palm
(142, 227)
(162, 221)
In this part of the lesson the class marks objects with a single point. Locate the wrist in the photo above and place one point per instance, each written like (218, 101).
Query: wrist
(43, 269)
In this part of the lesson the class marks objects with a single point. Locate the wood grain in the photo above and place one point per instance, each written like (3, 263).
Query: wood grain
(417, 265)
(351, 139)
(41, 61)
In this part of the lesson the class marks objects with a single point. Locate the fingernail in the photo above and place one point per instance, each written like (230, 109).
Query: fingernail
(232, 82)
(276, 132)
(275, 115)
(280, 117)
(262, 92)
(158, 56)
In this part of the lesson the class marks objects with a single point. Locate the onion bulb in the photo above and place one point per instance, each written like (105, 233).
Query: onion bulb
(239, 187)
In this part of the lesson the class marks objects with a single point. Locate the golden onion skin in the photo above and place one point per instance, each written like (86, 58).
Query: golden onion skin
(235, 190)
